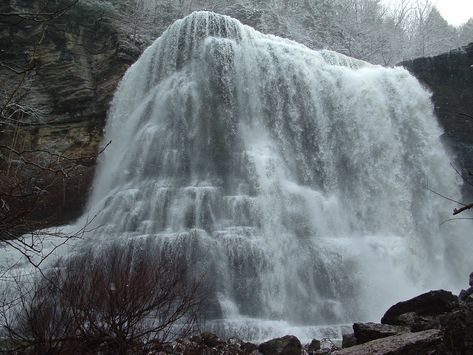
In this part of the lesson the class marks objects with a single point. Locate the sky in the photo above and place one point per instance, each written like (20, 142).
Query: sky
(456, 12)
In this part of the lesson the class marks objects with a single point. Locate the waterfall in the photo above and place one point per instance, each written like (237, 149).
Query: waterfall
(294, 179)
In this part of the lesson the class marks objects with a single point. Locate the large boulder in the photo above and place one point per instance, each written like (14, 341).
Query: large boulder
(466, 295)
(313, 346)
(458, 329)
(365, 332)
(349, 340)
(422, 312)
(287, 345)
(424, 342)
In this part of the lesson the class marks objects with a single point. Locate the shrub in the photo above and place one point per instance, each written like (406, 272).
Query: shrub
(119, 300)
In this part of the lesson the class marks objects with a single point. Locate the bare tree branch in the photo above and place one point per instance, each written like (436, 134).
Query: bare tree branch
(464, 208)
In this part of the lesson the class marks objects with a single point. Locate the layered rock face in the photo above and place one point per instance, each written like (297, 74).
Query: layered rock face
(78, 58)
(450, 78)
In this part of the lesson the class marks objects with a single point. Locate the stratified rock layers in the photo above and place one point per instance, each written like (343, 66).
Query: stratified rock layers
(79, 60)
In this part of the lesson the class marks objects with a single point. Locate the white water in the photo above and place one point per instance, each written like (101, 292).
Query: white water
(293, 179)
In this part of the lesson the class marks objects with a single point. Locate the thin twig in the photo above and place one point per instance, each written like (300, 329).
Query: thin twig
(465, 115)
(445, 197)
(454, 219)
(461, 175)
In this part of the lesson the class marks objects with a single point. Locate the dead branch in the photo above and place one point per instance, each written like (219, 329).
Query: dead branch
(464, 208)
(120, 300)
(466, 115)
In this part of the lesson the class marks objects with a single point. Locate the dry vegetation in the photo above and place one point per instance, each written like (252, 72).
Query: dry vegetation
(120, 300)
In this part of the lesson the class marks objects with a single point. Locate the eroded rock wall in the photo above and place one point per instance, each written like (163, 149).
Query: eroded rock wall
(449, 77)
(79, 58)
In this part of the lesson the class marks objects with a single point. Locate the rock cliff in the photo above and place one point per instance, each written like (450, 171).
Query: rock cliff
(449, 77)
(79, 57)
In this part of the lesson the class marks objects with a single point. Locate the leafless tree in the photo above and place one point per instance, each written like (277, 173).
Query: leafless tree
(29, 176)
(120, 300)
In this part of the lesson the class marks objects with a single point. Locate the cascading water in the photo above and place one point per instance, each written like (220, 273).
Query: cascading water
(295, 180)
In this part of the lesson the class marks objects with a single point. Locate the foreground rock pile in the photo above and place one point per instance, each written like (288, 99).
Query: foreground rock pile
(436, 322)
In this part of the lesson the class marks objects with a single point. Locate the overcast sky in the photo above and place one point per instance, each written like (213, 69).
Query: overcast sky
(456, 12)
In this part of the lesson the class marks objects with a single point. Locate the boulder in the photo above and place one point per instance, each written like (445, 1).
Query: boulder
(248, 348)
(208, 339)
(424, 342)
(466, 295)
(313, 346)
(348, 340)
(471, 280)
(365, 332)
(421, 312)
(457, 327)
(287, 345)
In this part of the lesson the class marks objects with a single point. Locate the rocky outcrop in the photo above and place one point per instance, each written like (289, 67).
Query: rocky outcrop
(79, 57)
(449, 76)
(287, 345)
(208, 344)
(436, 322)
(457, 327)
(365, 332)
(425, 342)
(314, 346)
(349, 340)
(467, 295)
(421, 312)
(450, 334)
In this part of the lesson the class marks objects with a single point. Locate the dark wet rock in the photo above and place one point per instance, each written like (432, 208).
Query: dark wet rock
(466, 295)
(424, 342)
(458, 329)
(207, 344)
(287, 345)
(208, 339)
(245, 347)
(248, 348)
(365, 332)
(348, 340)
(450, 78)
(421, 312)
(313, 346)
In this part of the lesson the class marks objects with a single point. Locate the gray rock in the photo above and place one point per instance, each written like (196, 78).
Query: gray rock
(287, 345)
(471, 279)
(424, 342)
(365, 332)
